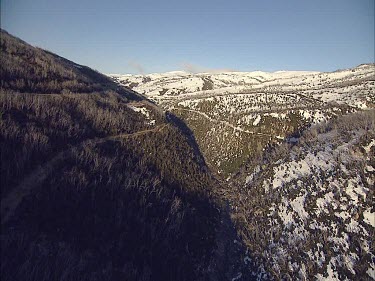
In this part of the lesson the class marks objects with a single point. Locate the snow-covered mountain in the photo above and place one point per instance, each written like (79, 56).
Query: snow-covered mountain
(235, 114)
(159, 86)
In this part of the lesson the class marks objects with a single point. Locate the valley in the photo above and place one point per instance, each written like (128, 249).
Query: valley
(181, 176)
(295, 151)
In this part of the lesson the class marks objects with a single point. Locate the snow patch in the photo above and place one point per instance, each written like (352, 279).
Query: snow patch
(257, 120)
(369, 217)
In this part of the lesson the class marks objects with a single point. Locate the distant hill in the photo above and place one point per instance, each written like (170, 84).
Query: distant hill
(234, 115)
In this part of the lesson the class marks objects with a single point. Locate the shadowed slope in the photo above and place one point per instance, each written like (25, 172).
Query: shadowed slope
(99, 188)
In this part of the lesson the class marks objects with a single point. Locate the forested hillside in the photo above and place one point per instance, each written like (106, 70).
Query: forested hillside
(95, 183)
(25, 68)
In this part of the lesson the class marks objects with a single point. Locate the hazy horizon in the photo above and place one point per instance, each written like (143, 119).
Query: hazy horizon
(216, 71)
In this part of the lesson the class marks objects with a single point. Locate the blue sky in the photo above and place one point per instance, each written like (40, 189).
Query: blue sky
(141, 36)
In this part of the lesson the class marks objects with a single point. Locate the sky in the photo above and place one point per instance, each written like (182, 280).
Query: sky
(141, 36)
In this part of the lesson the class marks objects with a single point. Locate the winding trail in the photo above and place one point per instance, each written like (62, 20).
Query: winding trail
(14, 198)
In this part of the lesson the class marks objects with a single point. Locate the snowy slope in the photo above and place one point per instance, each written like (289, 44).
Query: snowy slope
(307, 212)
(161, 85)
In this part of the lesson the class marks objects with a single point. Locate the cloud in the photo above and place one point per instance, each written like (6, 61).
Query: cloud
(136, 66)
(193, 68)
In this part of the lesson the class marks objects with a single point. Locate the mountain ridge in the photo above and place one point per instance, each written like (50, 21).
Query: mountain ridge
(176, 72)
(96, 182)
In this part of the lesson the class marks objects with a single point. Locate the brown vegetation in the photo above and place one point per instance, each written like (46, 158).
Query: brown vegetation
(127, 199)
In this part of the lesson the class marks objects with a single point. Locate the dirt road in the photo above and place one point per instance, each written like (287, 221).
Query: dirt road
(14, 198)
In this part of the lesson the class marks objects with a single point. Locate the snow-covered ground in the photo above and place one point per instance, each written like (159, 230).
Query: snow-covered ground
(317, 202)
